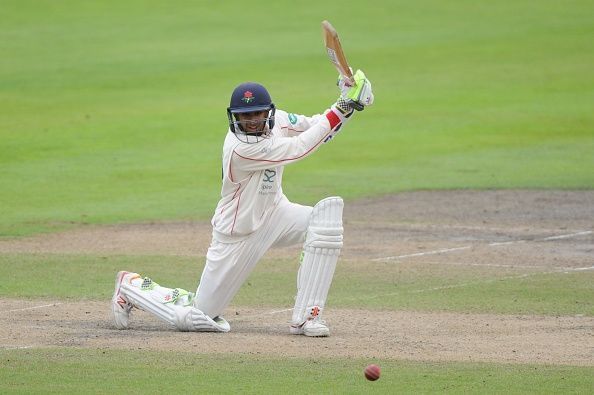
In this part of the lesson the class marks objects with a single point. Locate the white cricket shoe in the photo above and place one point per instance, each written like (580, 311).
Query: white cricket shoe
(120, 307)
(313, 327)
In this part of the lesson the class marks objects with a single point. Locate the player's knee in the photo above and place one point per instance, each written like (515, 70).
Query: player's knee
(325, 226)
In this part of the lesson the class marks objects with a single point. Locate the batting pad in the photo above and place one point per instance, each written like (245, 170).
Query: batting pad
(320, 254)
(178, 312)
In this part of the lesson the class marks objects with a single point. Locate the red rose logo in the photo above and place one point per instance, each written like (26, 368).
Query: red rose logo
(248, 97)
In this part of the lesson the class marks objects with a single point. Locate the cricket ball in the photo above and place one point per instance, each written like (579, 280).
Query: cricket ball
(372, 372)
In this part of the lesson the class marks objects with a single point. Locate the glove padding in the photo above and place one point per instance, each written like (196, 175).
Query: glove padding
(343, 108)
(358, 96)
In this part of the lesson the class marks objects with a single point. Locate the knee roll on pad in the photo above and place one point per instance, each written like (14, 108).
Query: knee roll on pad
(325, 225)
(320, 254)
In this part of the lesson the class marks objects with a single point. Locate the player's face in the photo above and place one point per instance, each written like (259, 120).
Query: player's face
(253, 122)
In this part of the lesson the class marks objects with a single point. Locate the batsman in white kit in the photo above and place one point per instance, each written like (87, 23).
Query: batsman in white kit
(253, 215)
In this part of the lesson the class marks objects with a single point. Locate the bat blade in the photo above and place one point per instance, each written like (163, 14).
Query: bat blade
(335, 53)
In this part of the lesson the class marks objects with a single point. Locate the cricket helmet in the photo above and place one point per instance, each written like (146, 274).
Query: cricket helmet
(249, 97)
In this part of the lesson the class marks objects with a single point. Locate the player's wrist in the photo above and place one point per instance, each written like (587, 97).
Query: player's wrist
(338, 113)
(344, 106)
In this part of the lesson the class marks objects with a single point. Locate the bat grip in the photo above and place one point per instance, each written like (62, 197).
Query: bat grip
(356, 106)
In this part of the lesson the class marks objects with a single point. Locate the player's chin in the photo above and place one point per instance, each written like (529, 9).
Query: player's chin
(254, 129)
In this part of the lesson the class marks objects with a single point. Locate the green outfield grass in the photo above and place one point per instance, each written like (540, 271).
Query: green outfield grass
(97, 371)
(356, 284)
(115, 112)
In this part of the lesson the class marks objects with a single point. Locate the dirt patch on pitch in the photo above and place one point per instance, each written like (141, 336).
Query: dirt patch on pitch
(519, 231)
(355, 334)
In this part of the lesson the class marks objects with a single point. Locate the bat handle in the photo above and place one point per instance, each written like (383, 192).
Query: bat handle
(357, 106)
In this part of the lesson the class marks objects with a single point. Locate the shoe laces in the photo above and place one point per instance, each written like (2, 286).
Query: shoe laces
(317, 320)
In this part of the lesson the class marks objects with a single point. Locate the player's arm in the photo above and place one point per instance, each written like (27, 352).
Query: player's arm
(353, 97)
(292, 124)
(357, 97)
(279, 151)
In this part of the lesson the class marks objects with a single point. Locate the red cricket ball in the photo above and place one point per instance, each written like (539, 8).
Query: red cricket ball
(372, 372)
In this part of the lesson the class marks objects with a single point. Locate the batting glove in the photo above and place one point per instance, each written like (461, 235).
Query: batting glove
(359, 95)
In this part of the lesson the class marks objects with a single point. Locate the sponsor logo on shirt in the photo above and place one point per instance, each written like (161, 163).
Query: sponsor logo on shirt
(267, 186)
(293, 119)
(269, 175)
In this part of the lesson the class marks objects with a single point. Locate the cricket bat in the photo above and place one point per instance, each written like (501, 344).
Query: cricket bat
(335, 53)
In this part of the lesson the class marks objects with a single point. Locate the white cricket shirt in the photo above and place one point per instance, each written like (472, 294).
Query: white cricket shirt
(253, 172)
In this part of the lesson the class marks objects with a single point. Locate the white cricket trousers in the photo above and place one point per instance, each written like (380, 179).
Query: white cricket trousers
(228, 265)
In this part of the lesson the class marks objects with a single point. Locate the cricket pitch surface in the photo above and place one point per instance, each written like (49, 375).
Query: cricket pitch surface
(517, 233)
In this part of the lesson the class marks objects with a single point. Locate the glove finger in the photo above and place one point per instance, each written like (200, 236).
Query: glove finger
(371, 98)
(366, 95)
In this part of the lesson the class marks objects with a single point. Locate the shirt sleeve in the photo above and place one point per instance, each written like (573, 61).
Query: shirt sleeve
(295, 124)
(280, 150)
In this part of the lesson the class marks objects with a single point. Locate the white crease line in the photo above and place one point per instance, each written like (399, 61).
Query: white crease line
(389, 258)
(494, 244)
(278, 311)
(565, 270)
(30, 308)
(504, 243)
(247, 317)
(568, 235)
(479, 282)
(577, 269)
(15, 347)
(501, 278)
(473, 283)
(512, 266)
